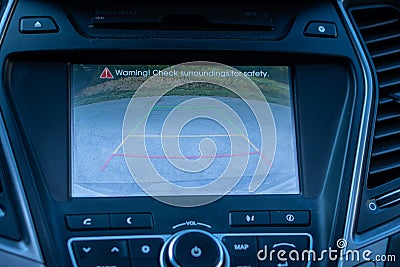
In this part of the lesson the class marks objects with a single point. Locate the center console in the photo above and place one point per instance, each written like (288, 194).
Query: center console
(152, 136)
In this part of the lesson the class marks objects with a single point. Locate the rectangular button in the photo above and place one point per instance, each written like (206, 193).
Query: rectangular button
(145, 248)
(102, 253)
(244, 262)
(131, 221)
(295, 244)
(249, 218)
(242, 249)
(321, 29)
(101, 249)
(146, 262)
(105, 263)
(241, 246)
(88, 222)
(290, 218)
(38, 25)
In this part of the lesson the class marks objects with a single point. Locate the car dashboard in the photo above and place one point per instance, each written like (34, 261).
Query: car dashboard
(201, 133)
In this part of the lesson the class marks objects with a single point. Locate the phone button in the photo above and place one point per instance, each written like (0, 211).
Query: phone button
(88, 222)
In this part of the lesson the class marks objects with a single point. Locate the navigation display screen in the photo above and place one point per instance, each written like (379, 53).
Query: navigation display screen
(197, 128)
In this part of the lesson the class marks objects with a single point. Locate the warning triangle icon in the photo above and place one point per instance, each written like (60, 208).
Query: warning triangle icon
(106, 74)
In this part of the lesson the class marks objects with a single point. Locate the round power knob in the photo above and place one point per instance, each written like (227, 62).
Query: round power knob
(195, 248)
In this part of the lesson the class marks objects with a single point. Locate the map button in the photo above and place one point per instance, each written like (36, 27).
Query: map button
(241, 246)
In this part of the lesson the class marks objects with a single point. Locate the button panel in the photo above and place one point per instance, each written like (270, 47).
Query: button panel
(269, 218)
(117, 252)
(109, 221)
(102, 253)
(250, 250)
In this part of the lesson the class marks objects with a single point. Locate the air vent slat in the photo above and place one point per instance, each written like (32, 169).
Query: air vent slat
(389, 199)
(386, 131)
(386, 145)
(384, 116)
(388, 67)
(389, 110)
(378, 23)
(395, 96)
(376, 15)
(385, 100)
(381, 37)
(378, 179)
(389, 83)
(379, 27)
(385, 51)
(384, 165)
(386, 150)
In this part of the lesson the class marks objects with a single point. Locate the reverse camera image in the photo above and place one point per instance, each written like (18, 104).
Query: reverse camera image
(190, 129)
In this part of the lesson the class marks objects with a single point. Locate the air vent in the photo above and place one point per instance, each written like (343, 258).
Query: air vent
(380, 29)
